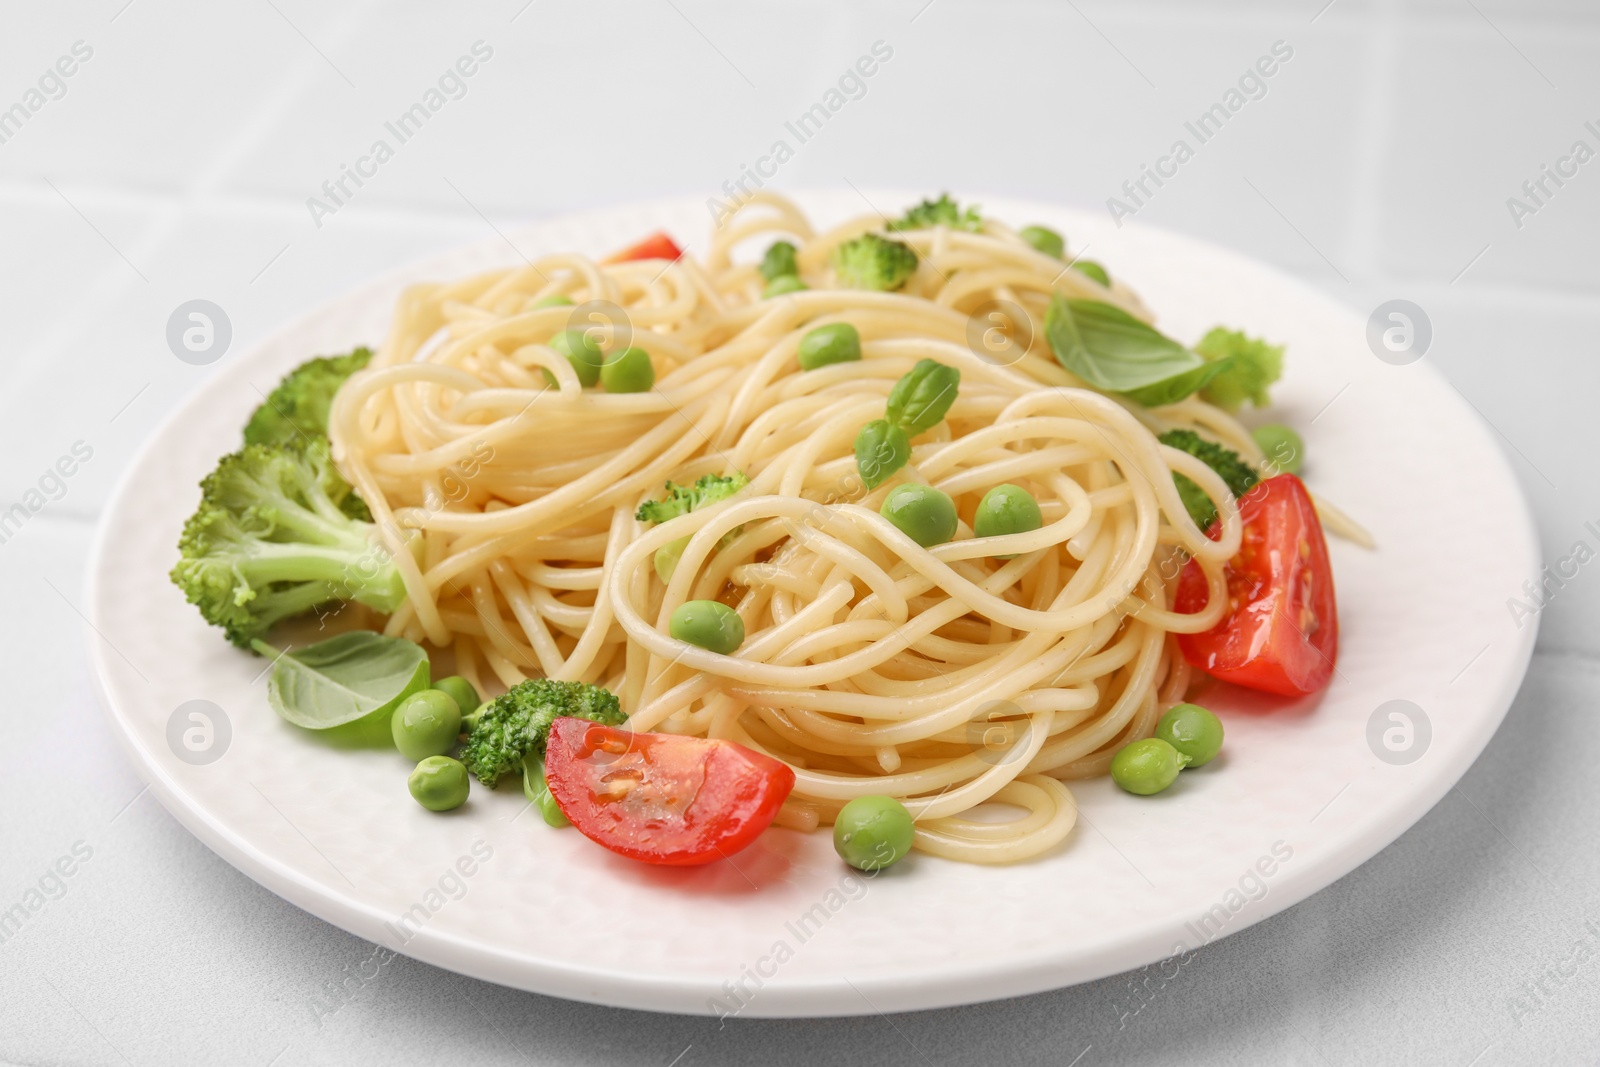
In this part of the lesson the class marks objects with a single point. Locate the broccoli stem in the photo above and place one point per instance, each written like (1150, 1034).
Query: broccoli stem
(537, 789)
(271, 561)
(320, 575)
(285, 603)
(326, 525)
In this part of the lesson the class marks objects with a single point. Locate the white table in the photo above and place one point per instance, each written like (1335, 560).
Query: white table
(176, 161)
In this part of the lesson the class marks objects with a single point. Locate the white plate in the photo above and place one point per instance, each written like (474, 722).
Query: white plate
(785, 930)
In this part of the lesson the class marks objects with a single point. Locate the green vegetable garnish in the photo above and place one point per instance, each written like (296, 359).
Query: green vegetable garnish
(1043, 239)
(1251, 365)
(709, 624)
(941, 212)
(837, 342)
(274, 537)
(784, 283)
(779, 261)
(872, 833)
(1116, 353)
(1284, 447)
(439, 784)
(298, 407)
(460, 691)
(922, 397)
(681, 499)
(709, 489)
(344, 678)
(425, 724)
(469, 721)
(874, 262)
(1234, 471)
(921, 512)
(1147, 767)
(667, 557)
(1193, 731)
(582, 352)
(1091, 269)
(518, 722)
(918, 401)
(1007, 509)
(628, 371)
(537, 789)
(881, 449)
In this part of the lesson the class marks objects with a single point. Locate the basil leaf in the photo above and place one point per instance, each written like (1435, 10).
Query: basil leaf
(881, 449)
(920, 399)
(344, 678)
(1116, 353)
(1175, 389)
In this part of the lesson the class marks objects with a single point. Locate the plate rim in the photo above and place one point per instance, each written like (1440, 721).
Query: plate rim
(949, 985)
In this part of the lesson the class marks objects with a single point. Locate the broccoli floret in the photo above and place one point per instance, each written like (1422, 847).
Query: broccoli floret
(779, 262)
(874, 262)
(272, 538)
(710, 489)
(518, 722)
(298, 407)
(941, 212)
(1238, 474)
(1256, 365)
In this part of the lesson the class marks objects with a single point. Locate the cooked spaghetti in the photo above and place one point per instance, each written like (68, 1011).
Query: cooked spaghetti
(976, 672)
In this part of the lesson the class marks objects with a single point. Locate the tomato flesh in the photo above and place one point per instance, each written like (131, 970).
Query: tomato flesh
(662, 798)
(1280, 633)
(657, 246)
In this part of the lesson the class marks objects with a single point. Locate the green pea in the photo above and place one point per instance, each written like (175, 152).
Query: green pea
(779, 261)
(837, 342)
(1193, 731)
(1284, 447)
(922, 513)
(582, 352)
(555, 300)
(460, 690)
(1093, 270)
(425, 724)
(1044, 239)
(873, 832)
(783, 283)
(1148, 766)
(439, 783)
(1007, 509)
(709, 624)
(629, 371)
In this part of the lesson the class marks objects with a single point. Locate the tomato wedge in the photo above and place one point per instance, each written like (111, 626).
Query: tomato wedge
(657, 246)
(1281, 631)
(662, 798)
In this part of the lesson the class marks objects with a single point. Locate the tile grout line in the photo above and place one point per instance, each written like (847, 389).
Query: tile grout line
(245, 205)
(1376, 118)
(169, 216)
(252, 210)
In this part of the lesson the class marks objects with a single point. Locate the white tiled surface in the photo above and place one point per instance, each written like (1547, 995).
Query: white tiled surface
(177, 165)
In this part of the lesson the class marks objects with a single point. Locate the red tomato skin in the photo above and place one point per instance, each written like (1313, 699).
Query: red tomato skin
(1281, 634)
(737, 798)
(657, 246)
